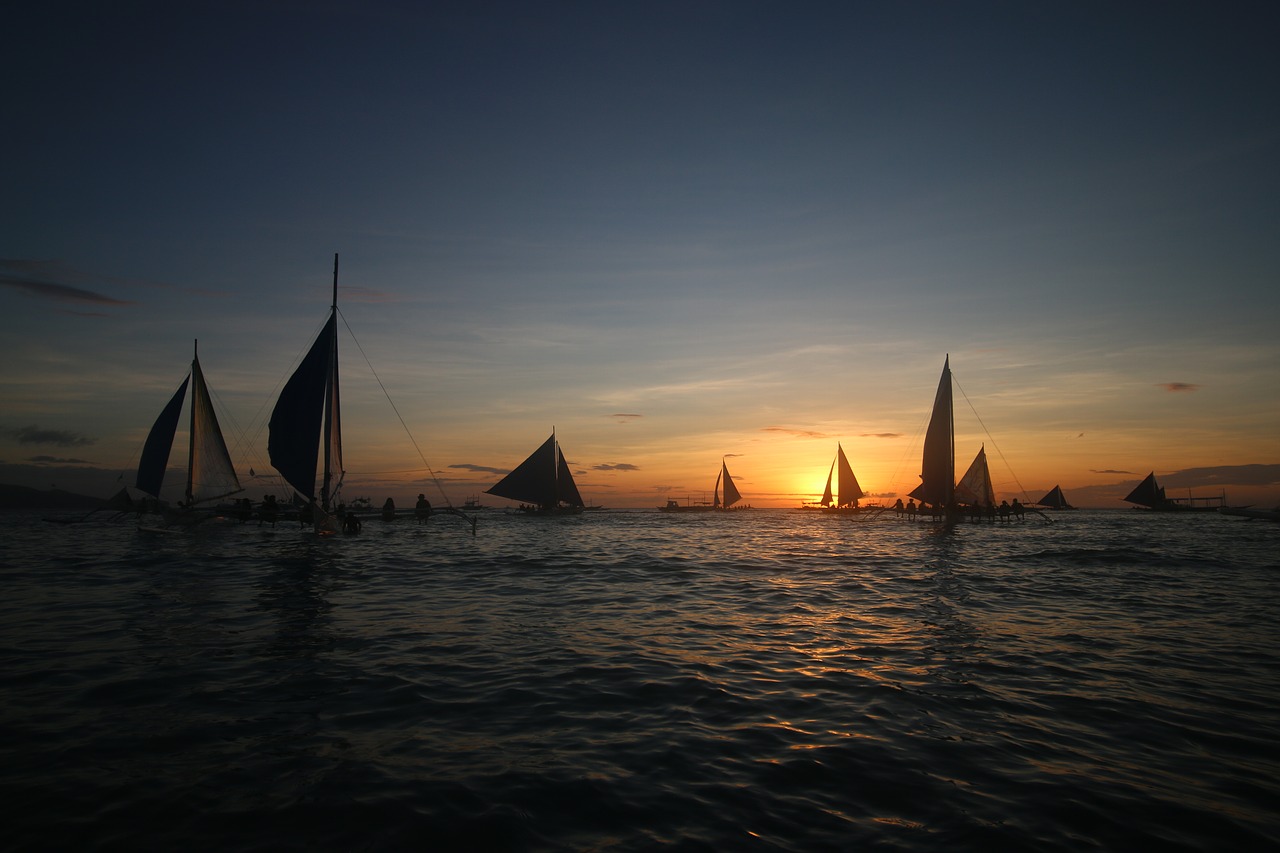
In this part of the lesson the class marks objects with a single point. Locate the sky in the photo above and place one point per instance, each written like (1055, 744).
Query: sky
(675, 233)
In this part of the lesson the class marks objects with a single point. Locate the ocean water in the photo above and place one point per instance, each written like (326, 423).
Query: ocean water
(760, 680)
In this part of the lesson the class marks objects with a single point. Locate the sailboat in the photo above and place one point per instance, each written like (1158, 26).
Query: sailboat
(307, 417)
(731, 496)
(542, 483)
(847, 492)
(938, 464)
(1150, 493)
(210, 474)
(1055, 499)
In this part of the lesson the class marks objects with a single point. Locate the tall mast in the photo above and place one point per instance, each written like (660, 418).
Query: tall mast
(326, 482)
(191, 437)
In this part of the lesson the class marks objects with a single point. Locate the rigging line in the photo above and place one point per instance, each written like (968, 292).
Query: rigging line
(387, 394)
(1025, 496)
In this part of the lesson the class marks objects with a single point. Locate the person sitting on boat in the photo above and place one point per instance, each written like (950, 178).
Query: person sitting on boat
(1017, 510)
(423, 509)
(269, 511)
(389, 510)
(1004, 510)
(897, 507)
(911, 508)
(350, 522)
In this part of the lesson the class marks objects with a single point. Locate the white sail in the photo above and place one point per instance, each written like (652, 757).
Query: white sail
(975, 487)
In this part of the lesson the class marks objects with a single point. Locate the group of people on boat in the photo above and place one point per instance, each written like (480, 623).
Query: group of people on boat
(1005, 512)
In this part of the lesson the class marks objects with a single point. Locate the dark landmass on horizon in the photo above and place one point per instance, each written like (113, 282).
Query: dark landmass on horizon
(24, 497)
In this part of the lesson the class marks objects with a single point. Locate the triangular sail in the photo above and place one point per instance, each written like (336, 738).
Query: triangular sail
(849, 490)
(210, 474)
(533, 481)
(975, 487)
(155, 453)
(293, 442)
(1055, 499)
(1148, 493)
(827, 497)
(719, 476)
(937, 470)
(566, 488)
(731, 495)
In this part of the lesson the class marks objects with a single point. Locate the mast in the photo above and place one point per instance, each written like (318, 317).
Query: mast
(191, 439)
(332, 427)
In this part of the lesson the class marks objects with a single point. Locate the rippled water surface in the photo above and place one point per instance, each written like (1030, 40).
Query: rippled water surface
(630, 681)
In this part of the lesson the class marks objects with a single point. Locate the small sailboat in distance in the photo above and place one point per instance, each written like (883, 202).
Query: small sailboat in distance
(210, 474)
(846, 494)
(307, 416)
(542, 483)
(1055, 499)
(731, 496)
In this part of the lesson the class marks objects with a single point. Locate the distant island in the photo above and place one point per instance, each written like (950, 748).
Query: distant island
(23, 497)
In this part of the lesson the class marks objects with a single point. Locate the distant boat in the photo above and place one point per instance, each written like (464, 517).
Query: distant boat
(731, 496)
(1055, 499)
(847, 492)
(1150, 494)
(472, 504)
(307, 416)
(210, 474)
(1250, 512)
(542, 483)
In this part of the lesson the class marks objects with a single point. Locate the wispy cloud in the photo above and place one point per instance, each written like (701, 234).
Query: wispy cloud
(52, 281)
(619, 466)
(625, 417)
(55, 437)
(800, 433)
(1110, 471)
(881, 435)
(1177, 387)
(480, 469)
(55, 460)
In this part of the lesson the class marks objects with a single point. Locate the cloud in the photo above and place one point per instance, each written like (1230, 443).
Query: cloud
(625, 417)
(48, 280)
(620, 466)
(1176, 387)
(1223, 475)
(58, 438)
(54, 460)
(802, 433)
(881, 435)
(481, 469)
(1111, 471)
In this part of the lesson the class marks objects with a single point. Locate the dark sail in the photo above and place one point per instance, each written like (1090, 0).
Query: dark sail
(937, 472)
(293, 443)
(1148, 493)
(566, 488)
(155, 453)
(1055, 499)
(534, 480)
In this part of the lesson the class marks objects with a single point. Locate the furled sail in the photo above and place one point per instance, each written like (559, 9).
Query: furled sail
(975, 487)
(937, 470)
